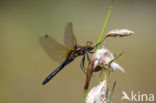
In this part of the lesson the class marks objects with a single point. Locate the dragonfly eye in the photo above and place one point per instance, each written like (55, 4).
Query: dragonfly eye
(89, 45)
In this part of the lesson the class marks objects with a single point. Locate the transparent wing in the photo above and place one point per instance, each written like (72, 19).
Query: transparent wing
(69, 37)
(55, 50)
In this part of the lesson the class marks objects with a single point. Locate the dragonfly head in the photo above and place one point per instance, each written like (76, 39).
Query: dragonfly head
(89, 45)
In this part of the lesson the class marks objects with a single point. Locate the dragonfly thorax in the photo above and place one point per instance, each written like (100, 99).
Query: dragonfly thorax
(79, 50)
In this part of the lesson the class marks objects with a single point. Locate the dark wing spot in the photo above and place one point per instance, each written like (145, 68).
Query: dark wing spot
(46, 35)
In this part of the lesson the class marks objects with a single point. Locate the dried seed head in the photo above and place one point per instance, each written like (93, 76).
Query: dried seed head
(99, 94)
(119, 33)
(103, 57)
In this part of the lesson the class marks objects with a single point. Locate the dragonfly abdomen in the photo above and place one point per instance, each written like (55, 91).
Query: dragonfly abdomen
(56, 71)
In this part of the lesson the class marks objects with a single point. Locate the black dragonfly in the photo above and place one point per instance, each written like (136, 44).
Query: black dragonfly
(62, 54)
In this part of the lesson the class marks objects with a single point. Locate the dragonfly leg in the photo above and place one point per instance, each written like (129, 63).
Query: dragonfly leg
(82, 64)
(91, 52)
(88, 58)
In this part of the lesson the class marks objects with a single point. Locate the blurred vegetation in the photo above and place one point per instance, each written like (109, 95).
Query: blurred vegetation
(24, 64)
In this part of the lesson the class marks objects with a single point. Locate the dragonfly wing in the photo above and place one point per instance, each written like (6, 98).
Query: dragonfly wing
(55, 50)
(69, 37)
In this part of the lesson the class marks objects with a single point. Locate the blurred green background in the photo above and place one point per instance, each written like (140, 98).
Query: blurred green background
(24, 64)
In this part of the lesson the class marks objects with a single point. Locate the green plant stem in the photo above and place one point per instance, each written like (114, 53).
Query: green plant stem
(106, 74)
(104, 26)
(116, 58)
(85, 95)
(112, 90)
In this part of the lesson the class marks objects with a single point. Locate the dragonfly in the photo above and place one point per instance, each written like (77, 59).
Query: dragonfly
(65, 54)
